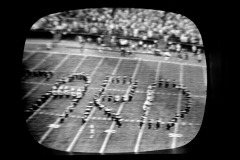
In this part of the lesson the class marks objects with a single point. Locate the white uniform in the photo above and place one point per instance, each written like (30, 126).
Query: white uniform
(101, 106)
(98, 101)
(123, 41)
(125, 98)
(54, 87)
(55, 92)
(99, 40)
(88, 110)
(92, 127)
(61, 87)
(194, 48)
(66, 110)
(150, 92)
(117, 98)
(67, 92)
(178, 47)
(66, 88)
(66, 80)
(167, 54)
(133, 46)
(73, 92)
(145, 107)
(147, 103)
(150, 87)
(107, 110)
(145, 46)
(150, 98)
(79, 92)
(88, 81)
(60, 90)
(80, 39)
(92, 131)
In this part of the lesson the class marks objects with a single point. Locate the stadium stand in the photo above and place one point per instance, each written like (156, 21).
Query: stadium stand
(148, 31)
(139, 23)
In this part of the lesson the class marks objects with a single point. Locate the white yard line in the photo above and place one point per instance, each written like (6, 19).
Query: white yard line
(48, 132)
(174, 140)
(197, 65)
(118, 112)
(72, 144)
(120, 90)
(55, 68)
(36, 112)
(136, 149)
(30, 54)
(27, 57)
(41, 62)
(79, 64)
(58, 119)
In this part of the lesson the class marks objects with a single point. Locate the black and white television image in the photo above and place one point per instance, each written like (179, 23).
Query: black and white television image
(114, 80)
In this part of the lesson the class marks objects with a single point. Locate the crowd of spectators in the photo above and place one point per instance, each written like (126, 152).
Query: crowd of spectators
(127, 22)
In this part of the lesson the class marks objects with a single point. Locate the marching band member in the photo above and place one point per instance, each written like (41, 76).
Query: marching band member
(73, 93)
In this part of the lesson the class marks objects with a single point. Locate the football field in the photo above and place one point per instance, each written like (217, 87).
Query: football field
(73, 136)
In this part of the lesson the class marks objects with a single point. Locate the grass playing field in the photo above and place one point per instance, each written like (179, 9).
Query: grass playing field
(73, 136)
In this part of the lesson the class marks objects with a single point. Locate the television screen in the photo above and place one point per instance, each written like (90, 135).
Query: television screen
(114, 80)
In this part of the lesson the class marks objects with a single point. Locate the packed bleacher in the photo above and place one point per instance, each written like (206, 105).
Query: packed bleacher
(140, 23)
(143, 29)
